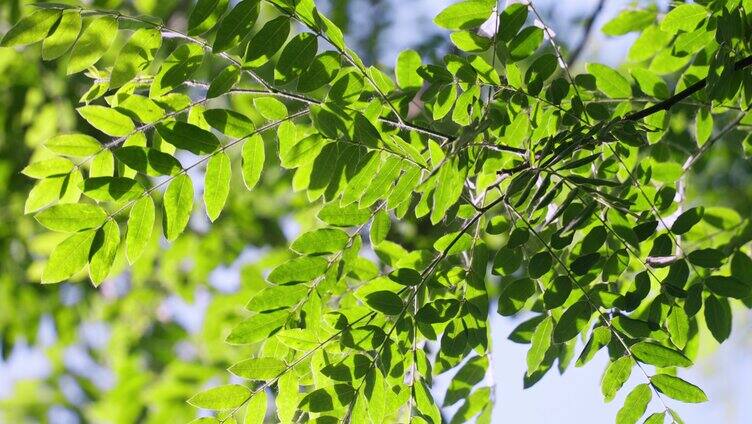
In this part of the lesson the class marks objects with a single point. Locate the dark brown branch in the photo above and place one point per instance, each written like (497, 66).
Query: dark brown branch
(586, 34)
(678, 97)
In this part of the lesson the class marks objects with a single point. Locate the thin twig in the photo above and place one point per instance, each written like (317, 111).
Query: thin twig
(586, 33)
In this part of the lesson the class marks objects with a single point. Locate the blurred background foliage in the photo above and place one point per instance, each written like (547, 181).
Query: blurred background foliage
(152, 335)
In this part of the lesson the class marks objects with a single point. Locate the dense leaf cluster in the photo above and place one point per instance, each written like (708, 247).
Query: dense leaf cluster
(564, 191)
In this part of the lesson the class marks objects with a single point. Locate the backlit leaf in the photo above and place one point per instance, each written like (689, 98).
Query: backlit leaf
(93, 43)
(216, 184)
(177, 205)
(678, 389)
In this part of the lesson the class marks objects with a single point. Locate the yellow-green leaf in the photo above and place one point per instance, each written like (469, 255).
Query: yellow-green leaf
(69, 257)
(140, 227)
(93, 43)
(217, 184)
(177, 206)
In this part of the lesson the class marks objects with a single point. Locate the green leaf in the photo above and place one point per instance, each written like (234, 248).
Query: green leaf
(63, 188)
(76, 145)
(380, 227)
(650, 83)
(635, 405)
(741, 267)
(135, 56)
(406, 276)
(304, 268)
(444, 101)
(678, 327)
(406, 70)
(676, 388)
(703, 126)
(32, 28)
(109, 121)
(176, 69)
(425, 403)
(539, 71)
(540, 343)
(48, 167)
(69, 257)
(296, 57)
(648, 44)
(102, 164)
(628, 21)
(65, 34)
(524, 44)
(298, 339)
(512, 18)
(103, 250)
(347, 88)
(718, 317)
(448, 188)
(600, 336)
(322, 71)
(256, 409)
(470, 42)
(574, 319)
(706, 258)
(112, 189)
(728, 286)
(142, 109)
(658, 355)
(464, 14)
(540, 264)
(324, 240)
(687, 220)
(386, 302)
(217, 184)
(689, 43)
(617, 373)
(275, 297)
(453, 243)
(221, 397)
(223, 82)
(148, 161)
(140, 228)
(581, 265)
(348, 216)
(177, 206)
(287, 397)
(557, 292)
(259, 368)
(375, 391)
(517, 131)
(71, 217)
(514, 296)
(684, 17)
(253, 157)
(656, 418)
(93, 43)
(188, 137)
(205, 15)
(257, 327)
(270, 108)
(267, 42)
(236, 25)
(230, 123)
(610, 82)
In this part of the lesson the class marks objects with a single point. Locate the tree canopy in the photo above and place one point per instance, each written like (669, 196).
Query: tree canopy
(379, 213)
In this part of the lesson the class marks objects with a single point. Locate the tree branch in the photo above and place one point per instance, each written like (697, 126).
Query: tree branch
(676, 98)
(586, 34)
